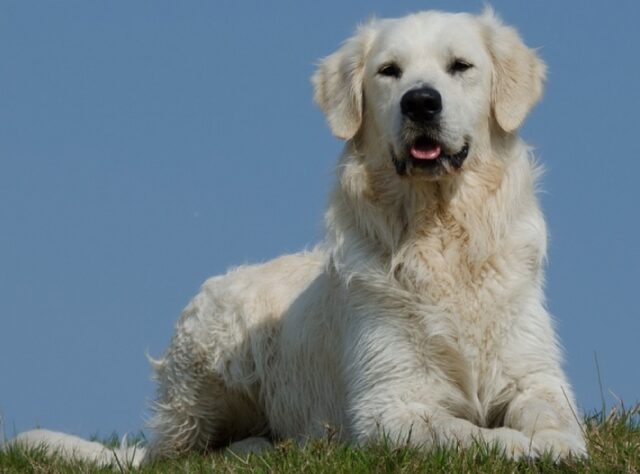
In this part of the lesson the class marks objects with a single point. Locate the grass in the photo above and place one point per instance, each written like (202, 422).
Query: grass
(613, 439)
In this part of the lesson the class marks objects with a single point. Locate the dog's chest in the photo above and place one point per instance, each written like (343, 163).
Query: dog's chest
(476, 295)
(476, 305)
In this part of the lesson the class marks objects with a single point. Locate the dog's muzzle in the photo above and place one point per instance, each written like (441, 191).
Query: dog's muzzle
(422, 149)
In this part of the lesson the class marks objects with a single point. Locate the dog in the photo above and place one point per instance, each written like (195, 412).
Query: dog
(420, 318)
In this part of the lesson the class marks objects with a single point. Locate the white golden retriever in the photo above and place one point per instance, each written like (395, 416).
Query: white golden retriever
(421, 317)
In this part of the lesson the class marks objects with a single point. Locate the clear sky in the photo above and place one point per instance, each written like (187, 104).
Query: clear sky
(146, 145)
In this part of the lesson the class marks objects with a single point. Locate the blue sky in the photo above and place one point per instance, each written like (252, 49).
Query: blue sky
(145, 146)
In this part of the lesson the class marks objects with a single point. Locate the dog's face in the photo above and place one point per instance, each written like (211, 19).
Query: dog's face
(426, 86)
(424, 89)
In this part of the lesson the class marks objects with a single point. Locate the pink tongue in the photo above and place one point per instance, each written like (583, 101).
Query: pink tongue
(430, 152)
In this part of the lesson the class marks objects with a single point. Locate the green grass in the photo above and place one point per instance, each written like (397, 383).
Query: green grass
(614, 447)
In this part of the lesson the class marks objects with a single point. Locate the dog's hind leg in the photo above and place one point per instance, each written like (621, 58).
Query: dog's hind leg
(196, 408)
(215, 418)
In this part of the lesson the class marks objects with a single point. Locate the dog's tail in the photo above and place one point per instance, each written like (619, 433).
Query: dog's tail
(72, 448)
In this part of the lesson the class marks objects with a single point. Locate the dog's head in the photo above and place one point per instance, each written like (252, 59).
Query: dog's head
(426, 89)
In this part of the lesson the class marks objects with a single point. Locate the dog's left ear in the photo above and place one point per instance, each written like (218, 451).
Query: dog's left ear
(338, 84)
(518, 73)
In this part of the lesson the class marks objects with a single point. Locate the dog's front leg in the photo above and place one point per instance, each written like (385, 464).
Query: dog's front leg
(393, 394)
(425, 426)
(543, 409)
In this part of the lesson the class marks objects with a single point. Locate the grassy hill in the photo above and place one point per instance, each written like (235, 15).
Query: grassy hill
(614, 447)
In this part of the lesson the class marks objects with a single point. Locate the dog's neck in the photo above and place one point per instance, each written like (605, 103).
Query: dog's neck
(375, 211)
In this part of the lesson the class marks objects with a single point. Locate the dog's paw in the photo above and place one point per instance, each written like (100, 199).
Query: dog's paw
(516, 445)
(254, 445)
(561, 445)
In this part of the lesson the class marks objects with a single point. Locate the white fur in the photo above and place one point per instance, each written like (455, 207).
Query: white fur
(421, 316)
(70, 447)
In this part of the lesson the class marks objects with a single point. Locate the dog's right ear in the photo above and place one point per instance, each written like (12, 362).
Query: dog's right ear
(338, 83)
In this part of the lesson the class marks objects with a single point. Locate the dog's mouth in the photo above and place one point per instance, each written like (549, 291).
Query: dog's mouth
(428, 154)
(425, 149)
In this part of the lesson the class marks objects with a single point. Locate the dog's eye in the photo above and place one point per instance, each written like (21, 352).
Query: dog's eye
(459, 65)
(391, 70)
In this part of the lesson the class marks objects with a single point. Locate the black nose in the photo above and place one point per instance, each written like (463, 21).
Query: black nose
(421, 105)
